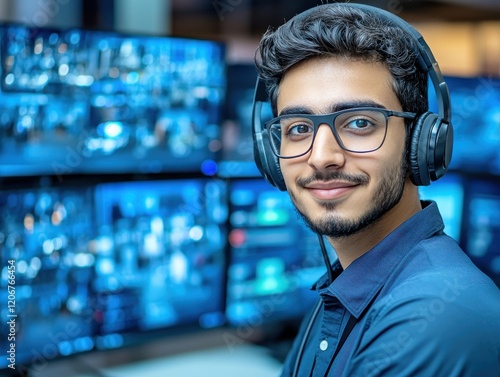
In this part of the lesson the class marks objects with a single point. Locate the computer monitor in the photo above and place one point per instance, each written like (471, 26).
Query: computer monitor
(274, 258)
(47, 271)
(448, 193)
(482, 240)
(476, 123)
(160, 257)
(109, 265)
(85, 102)
(237, 157)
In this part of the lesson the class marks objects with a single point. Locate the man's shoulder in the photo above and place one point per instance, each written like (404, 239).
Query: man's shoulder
(450, 285)
(442, 298)
(438, 269)
(437, 324)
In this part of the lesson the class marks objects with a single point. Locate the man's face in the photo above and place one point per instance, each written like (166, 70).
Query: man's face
(337, 192)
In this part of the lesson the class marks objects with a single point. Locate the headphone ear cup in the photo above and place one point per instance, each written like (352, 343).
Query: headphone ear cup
(431, 144)
(418, 154)
(266, 160)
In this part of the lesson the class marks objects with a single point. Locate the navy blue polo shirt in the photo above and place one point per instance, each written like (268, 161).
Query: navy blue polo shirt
(422, 309)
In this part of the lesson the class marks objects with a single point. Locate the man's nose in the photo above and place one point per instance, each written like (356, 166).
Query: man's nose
(326, 151)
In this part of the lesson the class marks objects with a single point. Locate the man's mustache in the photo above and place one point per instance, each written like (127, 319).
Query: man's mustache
(359, 179)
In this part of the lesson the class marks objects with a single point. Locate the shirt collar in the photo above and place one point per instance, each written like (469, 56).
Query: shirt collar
(357, 285)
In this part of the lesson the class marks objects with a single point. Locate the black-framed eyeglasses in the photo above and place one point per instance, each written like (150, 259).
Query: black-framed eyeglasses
(358, 130)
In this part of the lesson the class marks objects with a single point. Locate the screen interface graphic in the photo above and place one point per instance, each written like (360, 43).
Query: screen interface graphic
(274, 258)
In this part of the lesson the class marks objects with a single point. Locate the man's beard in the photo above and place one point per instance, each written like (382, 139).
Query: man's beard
(387, 195)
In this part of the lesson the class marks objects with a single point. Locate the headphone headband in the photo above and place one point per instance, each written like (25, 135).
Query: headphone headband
(426, 60)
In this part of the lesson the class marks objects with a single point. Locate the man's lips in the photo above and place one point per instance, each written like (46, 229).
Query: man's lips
(330, 190)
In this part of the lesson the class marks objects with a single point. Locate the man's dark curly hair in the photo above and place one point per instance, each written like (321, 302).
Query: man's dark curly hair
(344, 31)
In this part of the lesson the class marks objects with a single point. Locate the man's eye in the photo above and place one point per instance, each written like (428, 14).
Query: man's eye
(359, 124)
(300, 129)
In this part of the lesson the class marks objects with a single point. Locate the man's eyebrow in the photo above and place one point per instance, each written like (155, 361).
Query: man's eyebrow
(353, 104)
(295, 110)
(333, 108)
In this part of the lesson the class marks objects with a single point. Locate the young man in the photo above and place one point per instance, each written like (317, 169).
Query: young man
(352, 141)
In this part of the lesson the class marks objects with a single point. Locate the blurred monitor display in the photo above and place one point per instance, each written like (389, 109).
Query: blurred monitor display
(476, 122)
(160, 257)
(82, 101)
(274, 258)
(237, 159)
(110, 265)
(483, 226)
(448, 193)
(45, 235)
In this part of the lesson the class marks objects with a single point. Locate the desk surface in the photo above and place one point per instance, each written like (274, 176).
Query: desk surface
(242, 361)
(198, 356)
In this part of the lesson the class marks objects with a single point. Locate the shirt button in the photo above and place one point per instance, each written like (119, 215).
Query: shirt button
(323, 345)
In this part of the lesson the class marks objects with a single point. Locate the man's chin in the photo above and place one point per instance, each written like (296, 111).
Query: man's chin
(330, 225)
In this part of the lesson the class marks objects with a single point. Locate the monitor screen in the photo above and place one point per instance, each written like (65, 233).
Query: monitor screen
(160, 257)
(47, 269)
(482, 241)
(237, 158)
(83, 101)
(448, 193)
(476, 123)
(109, 265)
(274, 258)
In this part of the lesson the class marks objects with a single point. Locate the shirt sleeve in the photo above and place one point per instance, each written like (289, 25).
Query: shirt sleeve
(446, 335)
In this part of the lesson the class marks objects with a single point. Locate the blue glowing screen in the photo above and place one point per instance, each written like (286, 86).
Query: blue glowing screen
(82, 101)
(448, 193)
(274, 258)
(98, 267)
(482, 241)
(476, 122)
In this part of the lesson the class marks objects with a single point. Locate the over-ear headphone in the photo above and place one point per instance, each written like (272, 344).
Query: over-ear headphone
(431, 138)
